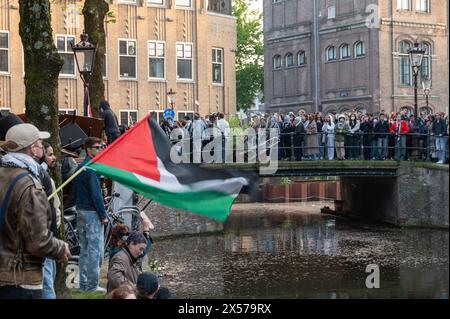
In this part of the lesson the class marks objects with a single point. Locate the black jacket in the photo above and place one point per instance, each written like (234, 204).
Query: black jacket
(381, 129)
(439, 128)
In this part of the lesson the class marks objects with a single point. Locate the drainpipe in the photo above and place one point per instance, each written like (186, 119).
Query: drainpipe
(195, 39)
(392, 56)
(316, 57)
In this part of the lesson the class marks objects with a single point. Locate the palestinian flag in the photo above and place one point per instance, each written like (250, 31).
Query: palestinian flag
(140, 160)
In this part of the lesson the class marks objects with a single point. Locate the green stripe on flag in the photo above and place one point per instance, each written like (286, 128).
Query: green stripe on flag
(212, 204)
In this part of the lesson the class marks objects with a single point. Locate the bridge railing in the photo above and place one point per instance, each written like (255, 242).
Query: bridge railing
(296, 146)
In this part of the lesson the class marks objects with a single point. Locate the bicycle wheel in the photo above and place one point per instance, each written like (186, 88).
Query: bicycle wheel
(132, 218)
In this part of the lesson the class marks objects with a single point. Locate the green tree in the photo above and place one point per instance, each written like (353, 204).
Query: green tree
(95, 13)
(42, 66)
(249, 53)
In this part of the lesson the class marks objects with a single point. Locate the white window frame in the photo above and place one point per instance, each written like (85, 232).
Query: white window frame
(128, 111)
(66, 111)
(156, 57)
(5, 109)
(299, 54)
(404, 5)
(131, 2)
(155, 3)
(159, 114)
(420, 4)
(183, 5)
(331, 12)
(8, 53)
(184, 58)
(289, 54)
(67, 51)
(328, 53)
(404, 56)
(341, 51)
(127, 55)
(214, 62)
(186, 112)
(275, 59)
(363, 49)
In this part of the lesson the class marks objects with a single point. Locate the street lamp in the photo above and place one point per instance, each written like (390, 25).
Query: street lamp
(426, 84)
(170, 97)
(84, 55)
(415, 58)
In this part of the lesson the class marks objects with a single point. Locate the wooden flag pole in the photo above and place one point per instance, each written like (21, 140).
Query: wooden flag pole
(67, 182)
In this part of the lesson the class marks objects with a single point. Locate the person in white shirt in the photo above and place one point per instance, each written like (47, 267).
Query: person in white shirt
(224, 128)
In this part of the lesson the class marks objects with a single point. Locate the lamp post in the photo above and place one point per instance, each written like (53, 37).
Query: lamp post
(170, 97)
(415, 58)
(84, 56)
(426, 84)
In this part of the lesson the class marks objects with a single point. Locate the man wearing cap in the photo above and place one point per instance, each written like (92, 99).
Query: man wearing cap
(25, 216)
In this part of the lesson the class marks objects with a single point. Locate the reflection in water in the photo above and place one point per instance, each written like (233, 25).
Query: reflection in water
(295, 255)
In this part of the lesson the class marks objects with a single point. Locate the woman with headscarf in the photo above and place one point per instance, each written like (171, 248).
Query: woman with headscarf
(341, 129)
(312, 143)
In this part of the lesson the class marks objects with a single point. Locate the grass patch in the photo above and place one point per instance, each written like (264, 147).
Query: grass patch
(78, 294)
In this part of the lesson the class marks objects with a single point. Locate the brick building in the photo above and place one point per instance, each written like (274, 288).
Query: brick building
(154, 46)
(338, 55)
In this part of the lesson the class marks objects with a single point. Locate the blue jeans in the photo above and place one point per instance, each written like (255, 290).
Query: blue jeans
(49, 275)
(440, 147)
(382, 147)
(400, 148)
(91, 235)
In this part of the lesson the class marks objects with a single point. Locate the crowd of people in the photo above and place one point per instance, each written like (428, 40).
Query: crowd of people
(350, 135)
(29, 221)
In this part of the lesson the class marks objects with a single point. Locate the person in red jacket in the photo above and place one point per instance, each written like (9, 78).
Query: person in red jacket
(399, 129)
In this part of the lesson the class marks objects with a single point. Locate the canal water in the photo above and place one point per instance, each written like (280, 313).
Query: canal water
(286, 253)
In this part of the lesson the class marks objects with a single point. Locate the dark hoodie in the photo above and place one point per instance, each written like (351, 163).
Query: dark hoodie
(111, 124)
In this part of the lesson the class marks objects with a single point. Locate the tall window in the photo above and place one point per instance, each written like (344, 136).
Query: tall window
(183, 114)
(183, 3)
(331, 12)
(184, 61)
(423, 5)
(157, 115)
(156, 60)
(289, 59)
(425, 70)
(127, 1)
(277, 62)
(360, 49)
(345, 52)
(127, 59)
(331, 53)
(301, 58)
(217, 62)
(63, 43)
(128, 117)
(404, 4)
(4, 52)
(405, 65)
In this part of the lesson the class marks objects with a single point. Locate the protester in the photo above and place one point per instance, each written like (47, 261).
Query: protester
(328, 131)
(122, 292)
(25, 242)
(49, 271)
(91, 216)
(381, 135)
(111, 124)
(439, 130)
(148, 287)
(123, 268)
(399, 129)
(341, 130)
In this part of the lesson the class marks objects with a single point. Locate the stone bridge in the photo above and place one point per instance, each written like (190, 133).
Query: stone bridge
(400, 193)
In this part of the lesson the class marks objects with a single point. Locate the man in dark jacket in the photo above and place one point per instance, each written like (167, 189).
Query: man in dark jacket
(381, 134)
(25, 235)
(439, 130)
(111, 124)
(91, 216)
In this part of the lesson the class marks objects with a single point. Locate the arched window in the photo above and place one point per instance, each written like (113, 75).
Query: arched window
(404, 63)
(425, 110)
(289, 59)
(425, 70)
(407, 110)
(301, 58)
(277, 62)
(360, 49)
(345, 52)
(331, 53)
